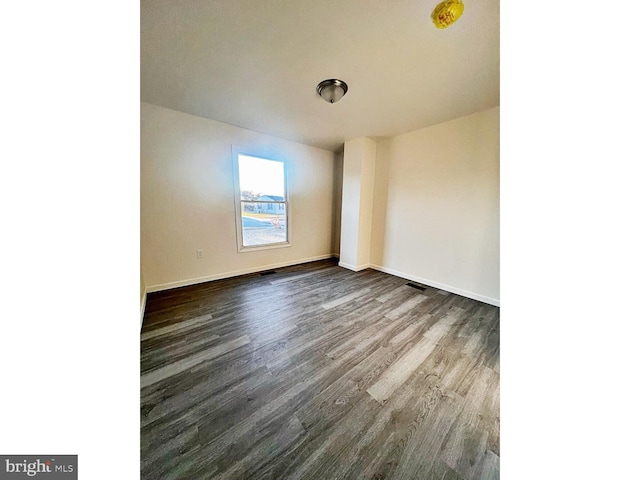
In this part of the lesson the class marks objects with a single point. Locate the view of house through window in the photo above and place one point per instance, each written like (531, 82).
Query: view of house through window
(263, 201)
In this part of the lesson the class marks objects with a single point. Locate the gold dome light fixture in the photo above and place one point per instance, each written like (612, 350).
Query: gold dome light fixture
(332, 90)
(447, 12)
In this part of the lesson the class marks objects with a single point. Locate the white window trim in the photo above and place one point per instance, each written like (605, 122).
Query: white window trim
(235, 151)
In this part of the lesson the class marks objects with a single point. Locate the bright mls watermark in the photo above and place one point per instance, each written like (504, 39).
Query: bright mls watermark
(49, 467)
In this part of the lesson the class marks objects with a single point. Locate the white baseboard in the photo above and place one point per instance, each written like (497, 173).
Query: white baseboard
(441, 286)
(143, 304)
(424, 281)
(236, 273)
(353, 267)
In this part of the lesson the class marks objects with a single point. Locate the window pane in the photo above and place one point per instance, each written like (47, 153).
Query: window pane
(263, 223)
(263, 203)
(260, 177)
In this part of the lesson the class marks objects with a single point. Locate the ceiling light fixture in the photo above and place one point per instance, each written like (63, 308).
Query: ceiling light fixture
(447, 12)
(332, 90)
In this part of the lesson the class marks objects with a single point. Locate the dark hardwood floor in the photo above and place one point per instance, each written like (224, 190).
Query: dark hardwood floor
(318, 372)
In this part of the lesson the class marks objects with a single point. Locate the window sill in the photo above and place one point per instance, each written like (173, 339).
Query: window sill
(270, 246)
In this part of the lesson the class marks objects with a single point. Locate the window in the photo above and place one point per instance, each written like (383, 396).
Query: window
(261, 202)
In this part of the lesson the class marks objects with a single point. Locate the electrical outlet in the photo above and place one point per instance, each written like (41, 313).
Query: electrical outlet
(199, 254)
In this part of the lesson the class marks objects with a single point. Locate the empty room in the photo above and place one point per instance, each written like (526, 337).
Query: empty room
(319, 240)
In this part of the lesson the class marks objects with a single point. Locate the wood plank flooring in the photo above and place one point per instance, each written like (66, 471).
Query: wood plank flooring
(318, 372)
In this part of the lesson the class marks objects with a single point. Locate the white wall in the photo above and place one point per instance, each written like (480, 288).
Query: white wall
(367, 171)
(143, 296)
(337, 203)
(143, 287)
(357, 205)
(187, 199)
(437, 206)
(350, 216)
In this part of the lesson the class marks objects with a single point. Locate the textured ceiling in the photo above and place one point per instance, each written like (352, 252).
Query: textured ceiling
(256, 63)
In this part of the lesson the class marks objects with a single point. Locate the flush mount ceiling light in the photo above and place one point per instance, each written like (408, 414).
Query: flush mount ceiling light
(332, 90)
(447, 12)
